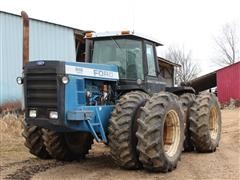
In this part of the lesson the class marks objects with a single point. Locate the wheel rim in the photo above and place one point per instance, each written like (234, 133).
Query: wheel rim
(171, 133)
(213, 123)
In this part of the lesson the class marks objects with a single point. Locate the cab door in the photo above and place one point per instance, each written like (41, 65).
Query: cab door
(152, 80)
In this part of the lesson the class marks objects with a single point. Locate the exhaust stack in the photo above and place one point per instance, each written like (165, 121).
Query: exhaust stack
(25, 21)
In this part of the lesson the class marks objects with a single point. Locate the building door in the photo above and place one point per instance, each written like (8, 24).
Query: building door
(79, 46)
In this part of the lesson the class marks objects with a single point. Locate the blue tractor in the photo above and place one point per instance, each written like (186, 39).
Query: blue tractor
(117, 96)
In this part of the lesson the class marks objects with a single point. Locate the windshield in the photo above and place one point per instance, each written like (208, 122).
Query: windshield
(125, 53)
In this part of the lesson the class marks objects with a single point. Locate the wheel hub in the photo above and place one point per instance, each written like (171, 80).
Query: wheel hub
(171, 133)
(213, 123)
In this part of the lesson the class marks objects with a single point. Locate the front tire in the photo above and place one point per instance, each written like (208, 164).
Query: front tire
(161, 133)
(67, 146)
(205, 123)
(34, 141)
(122, 129)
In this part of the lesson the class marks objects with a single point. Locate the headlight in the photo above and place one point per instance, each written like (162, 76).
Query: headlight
(53, 115)
(19, 80)
(32, 113)
(65, 79)
(139, 81)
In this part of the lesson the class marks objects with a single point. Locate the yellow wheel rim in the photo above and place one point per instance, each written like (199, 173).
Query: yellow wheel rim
(171, 133)
(213, 123)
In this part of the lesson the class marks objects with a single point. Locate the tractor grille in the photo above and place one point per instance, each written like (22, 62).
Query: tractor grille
(41, 91)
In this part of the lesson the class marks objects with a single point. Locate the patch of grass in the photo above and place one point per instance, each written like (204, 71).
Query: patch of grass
(10, 129)
(10, 106)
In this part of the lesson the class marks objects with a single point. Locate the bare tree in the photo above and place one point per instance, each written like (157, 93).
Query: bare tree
(227, 45)
(188, 69)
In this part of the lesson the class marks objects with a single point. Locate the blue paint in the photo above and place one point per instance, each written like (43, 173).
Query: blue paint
(79, 116)
(93, 119)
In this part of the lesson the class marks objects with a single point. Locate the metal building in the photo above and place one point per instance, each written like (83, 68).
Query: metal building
(227, 81)
(166, 68)
(48, 41)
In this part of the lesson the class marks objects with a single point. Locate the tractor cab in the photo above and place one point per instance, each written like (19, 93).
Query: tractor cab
(135, 55)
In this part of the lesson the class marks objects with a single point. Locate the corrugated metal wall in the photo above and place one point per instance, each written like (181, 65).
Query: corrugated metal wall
(47, 41)
(228, 83)
(51, 42)
(11, 56)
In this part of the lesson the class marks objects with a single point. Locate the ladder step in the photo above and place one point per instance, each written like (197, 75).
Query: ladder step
(102, 136)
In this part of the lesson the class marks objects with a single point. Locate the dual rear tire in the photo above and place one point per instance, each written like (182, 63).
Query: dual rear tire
(205, 123)
(160, 126)
(187, 100)
(147, 132)
(122, 129)
(161, 133)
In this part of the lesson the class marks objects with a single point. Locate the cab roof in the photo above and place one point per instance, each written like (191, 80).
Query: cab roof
(90, 35)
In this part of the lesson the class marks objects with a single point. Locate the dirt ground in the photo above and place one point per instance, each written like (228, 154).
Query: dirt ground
(17, 163)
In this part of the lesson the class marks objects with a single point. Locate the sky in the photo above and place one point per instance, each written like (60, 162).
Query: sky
(183, 23)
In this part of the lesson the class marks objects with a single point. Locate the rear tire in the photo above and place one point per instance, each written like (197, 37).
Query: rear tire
(34, 141)
(205, 123)
(122, 129)
(161, 133)
(187, 102)
(67, 146)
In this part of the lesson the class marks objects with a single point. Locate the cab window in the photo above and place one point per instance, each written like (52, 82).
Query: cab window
(150, 60)
(125, 53)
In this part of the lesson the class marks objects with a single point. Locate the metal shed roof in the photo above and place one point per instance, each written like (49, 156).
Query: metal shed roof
(168, 62)
(75, 29)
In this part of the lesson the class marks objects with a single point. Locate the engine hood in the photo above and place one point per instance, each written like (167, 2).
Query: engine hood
(91, 70)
